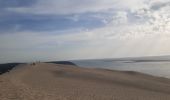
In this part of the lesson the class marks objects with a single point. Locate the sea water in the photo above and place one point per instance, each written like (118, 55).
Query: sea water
(156, 67)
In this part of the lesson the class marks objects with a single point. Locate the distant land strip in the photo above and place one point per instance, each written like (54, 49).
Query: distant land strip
(63, 62)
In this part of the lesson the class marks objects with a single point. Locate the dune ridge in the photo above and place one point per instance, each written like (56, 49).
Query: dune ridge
(47, 81)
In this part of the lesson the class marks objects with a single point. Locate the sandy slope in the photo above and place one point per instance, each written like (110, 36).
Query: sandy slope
(62, 82)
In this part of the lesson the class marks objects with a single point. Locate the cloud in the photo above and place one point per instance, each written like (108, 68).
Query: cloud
(46, 22)
(158, 4)
(60, 15)
(30, 46)
(76, 6)
(63, 29)
(16, 3)
(65, 6)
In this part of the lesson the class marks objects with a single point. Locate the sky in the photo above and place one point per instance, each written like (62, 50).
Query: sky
(52, 30)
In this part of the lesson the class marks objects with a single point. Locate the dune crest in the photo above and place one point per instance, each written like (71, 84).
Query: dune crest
(45, 81)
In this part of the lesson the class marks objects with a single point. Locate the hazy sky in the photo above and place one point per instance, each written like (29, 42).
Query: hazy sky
(81, 29)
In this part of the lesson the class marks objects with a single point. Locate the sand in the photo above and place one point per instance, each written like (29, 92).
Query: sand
(68, 82)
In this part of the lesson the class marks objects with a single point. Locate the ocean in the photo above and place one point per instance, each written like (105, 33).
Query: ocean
(156, 66)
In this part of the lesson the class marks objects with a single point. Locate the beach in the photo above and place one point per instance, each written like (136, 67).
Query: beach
(47, 81)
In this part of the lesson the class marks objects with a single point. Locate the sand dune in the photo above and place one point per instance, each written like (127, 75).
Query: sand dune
(68, 82)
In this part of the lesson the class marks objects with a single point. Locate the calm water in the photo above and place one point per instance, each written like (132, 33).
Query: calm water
(154, 67)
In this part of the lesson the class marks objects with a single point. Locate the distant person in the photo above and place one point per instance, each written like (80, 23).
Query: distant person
(33, 64)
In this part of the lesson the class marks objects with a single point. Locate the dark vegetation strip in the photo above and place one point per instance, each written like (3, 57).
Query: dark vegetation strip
(7, 67)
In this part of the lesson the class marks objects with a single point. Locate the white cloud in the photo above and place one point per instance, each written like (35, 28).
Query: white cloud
(132, 28)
